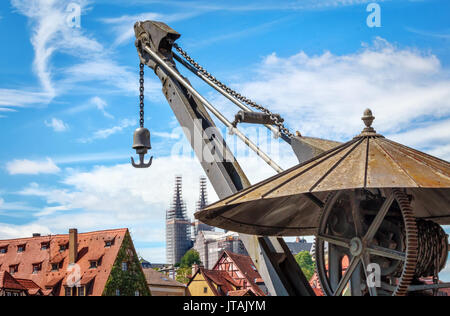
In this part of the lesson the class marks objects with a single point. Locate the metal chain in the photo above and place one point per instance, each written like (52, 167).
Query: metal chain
(433, 242)
(275, 118)
(141, 94)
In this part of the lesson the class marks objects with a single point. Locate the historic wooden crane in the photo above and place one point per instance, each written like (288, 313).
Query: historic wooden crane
(370, 200)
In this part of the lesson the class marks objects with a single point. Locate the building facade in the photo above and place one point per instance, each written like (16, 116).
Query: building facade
(201, 204)
(102, 263)
(232, 275)
(9, 286)
(243, 271)
(178, 227)
(161, 285)
(299, 245)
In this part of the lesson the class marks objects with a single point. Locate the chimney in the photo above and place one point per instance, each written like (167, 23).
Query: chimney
(35, 235)
(73, 245)
(194, 269)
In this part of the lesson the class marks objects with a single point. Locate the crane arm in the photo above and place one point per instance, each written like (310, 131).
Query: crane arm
(277, 266)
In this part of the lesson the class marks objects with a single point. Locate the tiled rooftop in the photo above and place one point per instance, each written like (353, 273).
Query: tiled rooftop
(53, 262)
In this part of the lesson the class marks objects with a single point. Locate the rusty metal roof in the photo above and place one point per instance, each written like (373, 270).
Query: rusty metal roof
(287, 203)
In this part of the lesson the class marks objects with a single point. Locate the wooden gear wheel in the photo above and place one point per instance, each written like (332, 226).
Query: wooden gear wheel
(366, 231)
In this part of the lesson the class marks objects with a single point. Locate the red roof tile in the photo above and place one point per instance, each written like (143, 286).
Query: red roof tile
(63, 242)
(47, 292)
(35, 291)
(8, 282)
(87, 278)
(154, 277)
(58, 258)
(53, 282)
(248, 270)
(221, 279)
(241, 293)
(28, 284)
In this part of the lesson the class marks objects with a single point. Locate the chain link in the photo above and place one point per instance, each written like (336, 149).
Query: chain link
(433, 242)
(275, 118)
(141, 94)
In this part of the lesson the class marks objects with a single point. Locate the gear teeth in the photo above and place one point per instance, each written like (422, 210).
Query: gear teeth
(409, 267)
(411, 242)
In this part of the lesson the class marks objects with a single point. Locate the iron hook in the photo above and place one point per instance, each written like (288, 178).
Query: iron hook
(142, 164)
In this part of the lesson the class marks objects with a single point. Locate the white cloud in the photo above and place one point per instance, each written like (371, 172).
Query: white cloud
(101, 105)
(15, 206)
(96, 102)
(21, 231)
(117, 196)
(30, 167)
(107, 72)
(105, 133)
(21, 98)
(325, 95)
(167, 135)
(106, 197)
(123, 26)
(52, 34)
(90, 157)
(7, 110)
(57, 125)
(443, 35)
(153, 255)
(430, 136)
(263, 5)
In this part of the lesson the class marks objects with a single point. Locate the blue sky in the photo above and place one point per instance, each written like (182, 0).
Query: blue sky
(69, 97)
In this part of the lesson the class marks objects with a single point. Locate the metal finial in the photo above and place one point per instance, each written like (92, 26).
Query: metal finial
(368, 119)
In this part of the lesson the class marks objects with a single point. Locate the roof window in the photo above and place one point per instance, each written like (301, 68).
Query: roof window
(45, 245)
(21, 248)
(3, 250)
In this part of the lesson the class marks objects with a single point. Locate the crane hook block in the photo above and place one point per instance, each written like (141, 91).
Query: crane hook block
(141, 144)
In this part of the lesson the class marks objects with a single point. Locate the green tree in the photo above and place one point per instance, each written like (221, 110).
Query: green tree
(190, 258)
(183, 275)
(306, 263)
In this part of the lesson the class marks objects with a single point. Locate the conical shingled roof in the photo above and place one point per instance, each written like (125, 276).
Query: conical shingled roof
(287, 203)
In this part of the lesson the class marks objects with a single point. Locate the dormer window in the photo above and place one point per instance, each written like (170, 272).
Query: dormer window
(63, 245)
(57, 265)
(13, 269)
(109, 242)
(21, 248)
(45, 246)
(37, 267)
